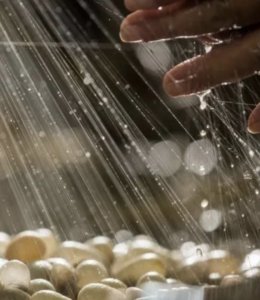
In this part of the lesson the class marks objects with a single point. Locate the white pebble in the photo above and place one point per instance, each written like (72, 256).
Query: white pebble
(115, 283)
(90, 271)
(97, 291)
(37, 285)
(104, 245)
(75, 252)
(15, 274)
(48, 295)
(51, 243)
(131, 270)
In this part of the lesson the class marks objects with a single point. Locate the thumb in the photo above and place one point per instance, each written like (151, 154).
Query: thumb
(254, 121)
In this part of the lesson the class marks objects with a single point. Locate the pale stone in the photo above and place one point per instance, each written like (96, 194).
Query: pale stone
(40, 269)
(115, 283)
(90, 271)
(131, 270)
(14, 294)
(97, 291)
(104, 245)
(37, 285)
(51, 242)
(133, 293)
(64, 279)
(48, 295)
(75, 252)
(15, 274)
(26, 247)
(150, 277)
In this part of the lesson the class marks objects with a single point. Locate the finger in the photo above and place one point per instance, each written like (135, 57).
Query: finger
(254, 121)
(209, 40)
(184, 19)
(226, 63)
(146, 4)
(231, 35)
(227, 36)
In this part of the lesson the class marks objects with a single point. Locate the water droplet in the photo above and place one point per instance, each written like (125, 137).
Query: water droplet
(203, 133)
(42, 134)
(88, 79)
(251, 153)
(204, 203)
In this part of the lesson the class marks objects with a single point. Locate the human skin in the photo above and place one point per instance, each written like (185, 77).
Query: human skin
(232, 27)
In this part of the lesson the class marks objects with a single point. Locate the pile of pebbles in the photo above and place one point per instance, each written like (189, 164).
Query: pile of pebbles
(36, 265)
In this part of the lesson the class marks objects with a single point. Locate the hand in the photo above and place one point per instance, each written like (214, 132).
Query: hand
(214, 21)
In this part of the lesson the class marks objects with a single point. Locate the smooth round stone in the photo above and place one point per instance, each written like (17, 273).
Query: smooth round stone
(104, 245)
(57, 260)
(90, 271)
(37, 285)
(210, 267)
(51, 243)
(131, 270)
(14, 294)
(139, 247)
(64, 279)
(190, 249)
(173, 262)
(150, 277)
(75, 253)
(200, 250)
(120, 250)
(194, 270)
(48, 295)
(133, 293)
(4, 241)
(214, 279)
(115, 283)
(222, 262)
(187, 249)
(15, 274)
(40, 269)
(252, 260)
(144, 237)
(26, 247)
(98, 291)
(231, 280)
(252, 273)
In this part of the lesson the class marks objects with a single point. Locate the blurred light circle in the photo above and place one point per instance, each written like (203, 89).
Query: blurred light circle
(210, 220)
(201, 157)
(155, 56)
(166, 158)
(187, 248)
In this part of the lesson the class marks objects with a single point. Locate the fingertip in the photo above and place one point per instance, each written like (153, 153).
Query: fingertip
(254, 121)
(130, 33)
(179, 81)
(130, 5)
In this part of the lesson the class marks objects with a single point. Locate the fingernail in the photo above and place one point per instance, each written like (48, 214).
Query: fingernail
(254, 121)
(177, 83)
(131, 33)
